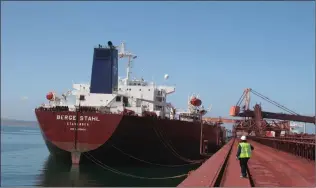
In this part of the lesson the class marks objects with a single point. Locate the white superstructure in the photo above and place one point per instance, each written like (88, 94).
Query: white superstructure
(135, 95)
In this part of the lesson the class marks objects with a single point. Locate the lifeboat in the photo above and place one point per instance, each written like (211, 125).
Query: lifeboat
(195, 102)
(50, 96)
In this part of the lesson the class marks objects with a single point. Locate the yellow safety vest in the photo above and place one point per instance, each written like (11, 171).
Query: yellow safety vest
(245, 150)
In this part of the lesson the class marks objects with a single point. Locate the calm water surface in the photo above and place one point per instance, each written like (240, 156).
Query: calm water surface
(25, 161)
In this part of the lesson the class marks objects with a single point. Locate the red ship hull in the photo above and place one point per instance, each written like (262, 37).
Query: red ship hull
(118, 139)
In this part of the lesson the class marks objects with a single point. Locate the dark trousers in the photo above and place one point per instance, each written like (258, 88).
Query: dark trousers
(243, 165)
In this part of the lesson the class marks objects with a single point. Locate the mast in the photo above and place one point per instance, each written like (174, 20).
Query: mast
(130, 56)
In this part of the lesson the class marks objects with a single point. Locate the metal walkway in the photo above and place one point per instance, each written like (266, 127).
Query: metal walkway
(268, 167)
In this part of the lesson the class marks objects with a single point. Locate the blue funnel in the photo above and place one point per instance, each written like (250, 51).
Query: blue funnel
(104, 76)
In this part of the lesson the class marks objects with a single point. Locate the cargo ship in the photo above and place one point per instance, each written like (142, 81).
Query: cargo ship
(125, 121)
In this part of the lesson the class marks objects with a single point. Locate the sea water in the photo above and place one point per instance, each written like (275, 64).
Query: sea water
(25, 161)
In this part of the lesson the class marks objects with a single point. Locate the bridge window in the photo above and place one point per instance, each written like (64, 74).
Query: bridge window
(82, 98)
(118, 98)
(159, 99)
(125, 101)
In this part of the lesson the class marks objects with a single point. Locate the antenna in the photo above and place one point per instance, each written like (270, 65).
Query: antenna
(129, 55)
(209, 108)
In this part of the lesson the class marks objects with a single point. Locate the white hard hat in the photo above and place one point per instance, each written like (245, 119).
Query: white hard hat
(243, 138)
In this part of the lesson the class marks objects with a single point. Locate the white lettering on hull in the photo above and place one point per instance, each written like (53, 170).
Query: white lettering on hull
(79, 129)
(74, 118)
(79, 124)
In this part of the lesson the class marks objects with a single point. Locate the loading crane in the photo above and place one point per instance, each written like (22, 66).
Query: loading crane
(246, 112)
(256, 120)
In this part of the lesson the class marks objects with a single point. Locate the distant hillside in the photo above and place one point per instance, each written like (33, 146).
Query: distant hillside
(14, 122)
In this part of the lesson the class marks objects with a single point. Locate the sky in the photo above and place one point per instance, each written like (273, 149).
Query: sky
(214, 49)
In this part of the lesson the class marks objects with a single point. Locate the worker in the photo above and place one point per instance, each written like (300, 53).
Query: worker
(243, 155)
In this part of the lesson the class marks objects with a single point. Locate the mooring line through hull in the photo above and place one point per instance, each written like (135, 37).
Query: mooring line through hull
(170, 148)
(174, 152)
(163, 165)
(104, 166)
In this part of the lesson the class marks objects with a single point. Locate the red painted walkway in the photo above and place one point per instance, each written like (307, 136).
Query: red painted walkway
(268, 168)
(206, 175)
(273, 168)
(232, 173)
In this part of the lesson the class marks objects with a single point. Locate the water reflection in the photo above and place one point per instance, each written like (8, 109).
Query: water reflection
(57, 174)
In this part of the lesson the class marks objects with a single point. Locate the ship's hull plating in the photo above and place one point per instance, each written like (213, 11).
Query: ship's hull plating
(125, 140)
